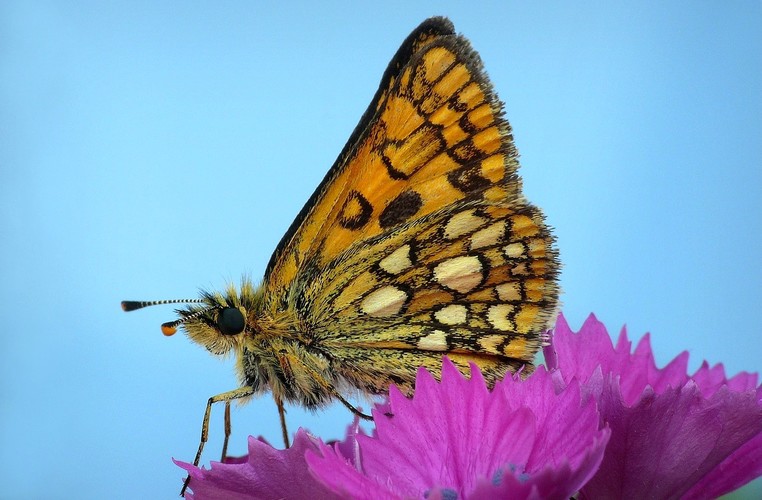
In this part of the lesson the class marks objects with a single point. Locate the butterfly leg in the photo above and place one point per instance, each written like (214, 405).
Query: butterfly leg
(227, 432)
(282, 415)
(350, 406)
(227, 397)
(287, 363)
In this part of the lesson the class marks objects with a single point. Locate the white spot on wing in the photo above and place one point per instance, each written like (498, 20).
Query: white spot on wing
(497, 315)
(509, 291)
(397, 261)
(386, 301)
(461, 274)
(463, 223)
(454, 314)
(435, 341)
(514, 250)
(489, 236)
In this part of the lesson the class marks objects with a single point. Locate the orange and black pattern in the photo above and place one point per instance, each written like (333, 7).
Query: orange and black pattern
(417, 244)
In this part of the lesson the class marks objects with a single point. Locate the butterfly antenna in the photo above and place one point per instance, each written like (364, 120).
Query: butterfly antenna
(169, 328)
(132, 305)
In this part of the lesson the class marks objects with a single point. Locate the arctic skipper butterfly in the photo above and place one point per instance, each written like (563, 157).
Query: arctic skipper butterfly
(418, 243)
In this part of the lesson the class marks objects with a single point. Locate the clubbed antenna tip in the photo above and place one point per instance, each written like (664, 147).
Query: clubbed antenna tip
(131, 305)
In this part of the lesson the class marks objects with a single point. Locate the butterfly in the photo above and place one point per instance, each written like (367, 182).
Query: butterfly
(418, 243)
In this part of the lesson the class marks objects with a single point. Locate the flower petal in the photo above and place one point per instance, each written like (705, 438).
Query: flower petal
(550, 482)
(569, 446)
(267, 473)
(710, 379)
(343, 479)
(672, 435)
(578, 356)
(666, 444)
(456, 439)
(744, 465)
(446, 430)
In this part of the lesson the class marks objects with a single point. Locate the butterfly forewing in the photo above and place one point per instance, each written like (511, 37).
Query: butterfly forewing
(434, 136)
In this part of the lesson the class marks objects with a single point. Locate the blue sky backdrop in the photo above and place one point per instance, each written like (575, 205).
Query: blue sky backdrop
(151, 148)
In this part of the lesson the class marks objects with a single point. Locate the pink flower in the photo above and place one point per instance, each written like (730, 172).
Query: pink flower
(672, 435)
(602, 421)
(454, 439)
(265, 473)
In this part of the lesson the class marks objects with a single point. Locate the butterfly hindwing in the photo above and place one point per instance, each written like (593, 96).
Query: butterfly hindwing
(474, 280)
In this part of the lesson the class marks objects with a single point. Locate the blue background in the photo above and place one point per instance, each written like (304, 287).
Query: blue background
(148, 149)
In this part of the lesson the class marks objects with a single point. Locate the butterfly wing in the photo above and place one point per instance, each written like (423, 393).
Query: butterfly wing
(432, 135)
(475, 280)
(418, 242)
(302, 238)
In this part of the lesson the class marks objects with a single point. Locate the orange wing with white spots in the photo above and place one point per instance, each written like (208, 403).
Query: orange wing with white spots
(418, 239)
(475, 281)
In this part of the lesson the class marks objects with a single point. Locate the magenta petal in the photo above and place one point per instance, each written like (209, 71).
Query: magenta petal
(672, 435)
(566, 423)
(444, 430)
(349, 448)
(668, 442)
(457, 439)
(710, 379)
(726, 477)
(343, 478)
(579, 355)
(568, 427)
(268, 473)
(575, 355)
(553, 481)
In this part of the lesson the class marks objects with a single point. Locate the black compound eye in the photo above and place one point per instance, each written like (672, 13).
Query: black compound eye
(230, 321)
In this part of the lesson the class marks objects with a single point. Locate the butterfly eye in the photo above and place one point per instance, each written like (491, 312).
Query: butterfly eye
(230, 321)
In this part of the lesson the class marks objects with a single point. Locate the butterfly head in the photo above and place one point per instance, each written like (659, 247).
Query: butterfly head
(216, 321)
